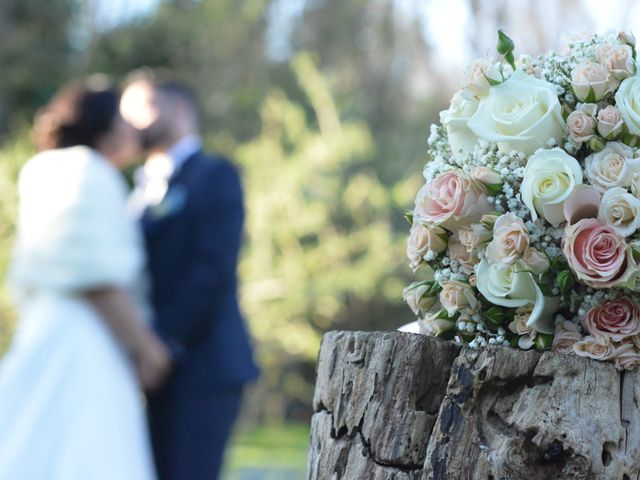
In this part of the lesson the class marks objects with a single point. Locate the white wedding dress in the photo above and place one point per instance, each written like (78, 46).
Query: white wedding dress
(70, 407)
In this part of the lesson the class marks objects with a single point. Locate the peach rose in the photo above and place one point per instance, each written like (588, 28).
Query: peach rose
(616, 319)
(476, 78)
(473, 235)
(458, 252)
(599, 257)
(456, 295)
(450, 198)
(627, 359)
(599, 348)
(422, 240)
(581, 122)
(519, 327)
(609, 122)
(566, 335)
(510, 239)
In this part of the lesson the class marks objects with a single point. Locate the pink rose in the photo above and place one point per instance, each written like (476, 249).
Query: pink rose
(616, 319)
(599, 257)
(450, 198)
(422, 240)
(519, 326)
(535, 261)
(566, 335)
(510, 239)
(473, 235)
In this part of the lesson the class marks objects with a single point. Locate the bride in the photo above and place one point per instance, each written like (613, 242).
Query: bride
(70, 403)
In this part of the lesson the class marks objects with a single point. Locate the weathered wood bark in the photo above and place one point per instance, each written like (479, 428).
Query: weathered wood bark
(408, 407)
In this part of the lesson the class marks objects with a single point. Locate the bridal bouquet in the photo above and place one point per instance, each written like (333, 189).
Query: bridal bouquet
(527, 230)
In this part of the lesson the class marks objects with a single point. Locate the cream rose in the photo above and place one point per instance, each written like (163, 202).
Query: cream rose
(581, 122)
(619, 61)
(628, 102)
(537, 263)
(456, 295)
(461, 138)
(592, 81)
(422, 240)
(598, 256)
(449, 199)
(510, 239)
(435, 326)
(628, 359)
(565, 336)
(549, 178)
(476, 78)
(521, 114)
(486, 175)
(613, 166)
(514, 286)
(620, 210)
(609, 122)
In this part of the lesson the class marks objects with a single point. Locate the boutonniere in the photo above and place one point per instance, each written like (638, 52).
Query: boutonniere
(172, 202)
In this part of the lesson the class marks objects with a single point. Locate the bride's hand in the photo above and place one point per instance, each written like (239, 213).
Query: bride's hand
(153, 362)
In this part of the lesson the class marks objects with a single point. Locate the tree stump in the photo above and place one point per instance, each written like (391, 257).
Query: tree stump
(408, 407)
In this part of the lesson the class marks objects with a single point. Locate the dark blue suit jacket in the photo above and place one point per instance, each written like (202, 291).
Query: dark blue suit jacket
(193, 237)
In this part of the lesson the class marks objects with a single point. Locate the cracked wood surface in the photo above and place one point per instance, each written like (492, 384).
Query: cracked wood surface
(408, 407)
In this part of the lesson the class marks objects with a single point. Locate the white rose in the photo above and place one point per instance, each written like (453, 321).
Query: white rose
(456, 295)
(549, 178)
(591, 82)
(620, 210)
(581, 122)
(628, 102)
(611, 167)
(609, 122)
(476, 76)
(455, 119)
(521, 114)
(513, 286)
(635, 184)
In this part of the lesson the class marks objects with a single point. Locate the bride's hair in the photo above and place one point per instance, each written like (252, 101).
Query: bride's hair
(79, 114)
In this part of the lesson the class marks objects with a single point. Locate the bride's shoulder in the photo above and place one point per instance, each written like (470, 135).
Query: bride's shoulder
(65, 167)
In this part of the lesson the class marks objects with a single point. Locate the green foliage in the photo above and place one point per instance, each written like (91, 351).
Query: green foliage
(12, 157)
(319, 223)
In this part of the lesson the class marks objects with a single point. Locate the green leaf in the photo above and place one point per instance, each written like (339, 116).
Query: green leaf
(494, 188)
(564, 280)
(408, 216)
(544, 341)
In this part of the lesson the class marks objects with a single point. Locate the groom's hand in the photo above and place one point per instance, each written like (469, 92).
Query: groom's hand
(153, 363)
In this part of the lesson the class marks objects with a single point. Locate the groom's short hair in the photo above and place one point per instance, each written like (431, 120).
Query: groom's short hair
(166, 84)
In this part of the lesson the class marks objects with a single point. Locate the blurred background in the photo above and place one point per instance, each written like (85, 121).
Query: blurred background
(325, 106)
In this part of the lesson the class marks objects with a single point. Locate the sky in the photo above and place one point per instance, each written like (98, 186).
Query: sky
(444, 22)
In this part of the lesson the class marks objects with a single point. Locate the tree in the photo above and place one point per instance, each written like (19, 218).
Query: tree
(320, 237)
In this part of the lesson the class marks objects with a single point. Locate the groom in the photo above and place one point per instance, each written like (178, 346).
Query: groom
(191, 210)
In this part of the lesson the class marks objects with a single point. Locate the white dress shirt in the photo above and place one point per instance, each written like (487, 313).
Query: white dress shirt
(152, 179)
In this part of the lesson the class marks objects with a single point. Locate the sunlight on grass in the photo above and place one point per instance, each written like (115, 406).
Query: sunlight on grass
(269, 452)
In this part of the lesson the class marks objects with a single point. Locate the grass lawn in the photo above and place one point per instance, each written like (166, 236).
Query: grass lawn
(268, 453)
